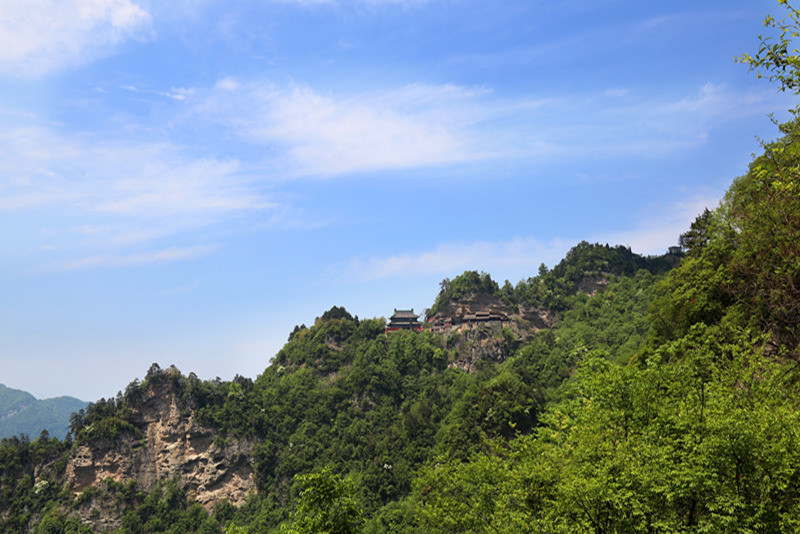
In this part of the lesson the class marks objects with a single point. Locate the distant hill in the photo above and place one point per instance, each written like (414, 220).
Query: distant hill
(22, 413)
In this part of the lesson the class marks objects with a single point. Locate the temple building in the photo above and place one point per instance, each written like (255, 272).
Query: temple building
(403, 320)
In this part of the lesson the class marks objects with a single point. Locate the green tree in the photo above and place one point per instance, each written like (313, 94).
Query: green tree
(775, 56)
(698, 235)
(327, 505)
(764, 208)
(700, 437)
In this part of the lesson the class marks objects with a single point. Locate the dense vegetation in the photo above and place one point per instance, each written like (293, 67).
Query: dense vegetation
(556, 289)
(665, 402)
(22, 413)
(468, 283)
(342, 399)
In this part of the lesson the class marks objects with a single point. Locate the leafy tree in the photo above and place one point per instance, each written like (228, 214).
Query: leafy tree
(469, 282)
(483, 495)
(776, 57)
(699, 438)
(764, 208)
(698, 235)
(327, 505)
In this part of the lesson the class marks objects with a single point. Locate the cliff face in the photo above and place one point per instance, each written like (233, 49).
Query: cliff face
(458, 311)
(482, 327)
(169, 444)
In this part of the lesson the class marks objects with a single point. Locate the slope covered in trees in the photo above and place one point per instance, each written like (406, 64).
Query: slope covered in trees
(22, 413)
(662, 400)
(341, 400)
(665, 401)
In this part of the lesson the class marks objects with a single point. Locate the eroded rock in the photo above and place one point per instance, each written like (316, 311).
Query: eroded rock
(169, 444)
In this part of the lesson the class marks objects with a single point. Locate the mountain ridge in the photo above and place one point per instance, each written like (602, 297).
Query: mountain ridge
(22, 413)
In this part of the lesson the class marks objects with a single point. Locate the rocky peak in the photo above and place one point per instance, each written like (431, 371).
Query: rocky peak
(168, 444)
(460, 310)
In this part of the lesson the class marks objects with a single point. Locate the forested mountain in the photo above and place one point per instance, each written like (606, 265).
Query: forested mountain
(613, 393)
(22, 413)
(652, 398)
(343, 403)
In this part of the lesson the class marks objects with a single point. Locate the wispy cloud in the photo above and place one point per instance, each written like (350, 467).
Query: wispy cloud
(418, 125)
(175, 93)
(40, 167)
(415, 126)
(610, 123)
(516, 255)
(167, 255)
(520, 257)
(112, 199)
(41, 36)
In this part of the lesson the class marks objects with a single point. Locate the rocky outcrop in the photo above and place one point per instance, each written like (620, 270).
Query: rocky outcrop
(484, 342)
(592, 282)
(464, 310)
(167, 444)
(536, 318)
(481, 326)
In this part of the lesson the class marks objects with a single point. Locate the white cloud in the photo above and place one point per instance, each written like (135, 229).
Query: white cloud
(167, 255)
(426, 126)
(114, 201)
(308, 133)
(175, 93)
(520, 255)
(40, 36)
(39, 168)
(412, 127)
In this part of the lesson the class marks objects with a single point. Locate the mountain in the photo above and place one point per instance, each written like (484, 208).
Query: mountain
(613, 393)
(343, 394)
(22, 413)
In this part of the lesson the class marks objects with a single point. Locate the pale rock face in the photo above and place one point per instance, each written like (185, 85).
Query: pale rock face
(174, 446)
(592, 283)
(477, 340)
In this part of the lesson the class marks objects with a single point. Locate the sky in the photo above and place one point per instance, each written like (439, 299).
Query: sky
(184, 181)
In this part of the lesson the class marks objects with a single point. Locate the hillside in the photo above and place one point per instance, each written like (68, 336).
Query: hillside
(340, 394)
(22, 413)
(610, 393)
(613, 393)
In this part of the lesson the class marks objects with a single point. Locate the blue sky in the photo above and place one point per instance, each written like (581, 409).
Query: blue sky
(183, 182)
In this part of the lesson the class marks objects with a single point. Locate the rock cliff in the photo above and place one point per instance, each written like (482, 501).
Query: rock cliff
(167, 444)
(483, 327)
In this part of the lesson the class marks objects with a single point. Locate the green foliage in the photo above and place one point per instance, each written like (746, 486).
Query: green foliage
(106, 418)
(695, 292)
(55, 522)
(764, 210)
(24, 494)
(700, 438)
(747, 272)
(614, 320)
(469, 282)
(557, 289)
(327, 505)
(696, 238)
(22, 413)
(166, 509)
(775, 56)
(397, 517)
(479, 496)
